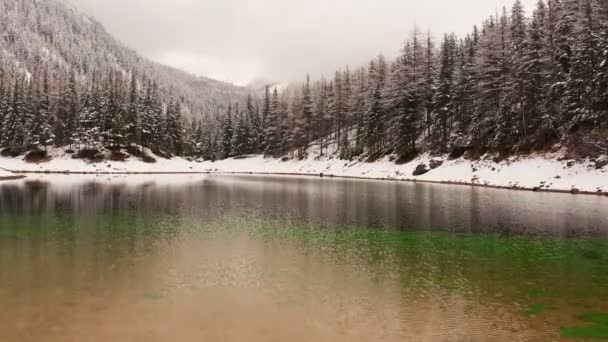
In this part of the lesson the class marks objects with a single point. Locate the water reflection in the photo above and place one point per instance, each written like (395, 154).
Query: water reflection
(403, 206)
(273, 259)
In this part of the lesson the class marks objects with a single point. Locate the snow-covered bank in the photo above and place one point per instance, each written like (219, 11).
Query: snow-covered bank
(6, 175)
(539, 172)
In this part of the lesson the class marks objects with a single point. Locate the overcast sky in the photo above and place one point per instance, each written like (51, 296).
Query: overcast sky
(279, 40)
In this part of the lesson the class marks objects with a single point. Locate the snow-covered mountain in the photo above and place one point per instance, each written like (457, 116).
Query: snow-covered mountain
(57, 33)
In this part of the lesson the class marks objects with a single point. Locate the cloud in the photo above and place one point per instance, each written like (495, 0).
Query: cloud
(282, 40)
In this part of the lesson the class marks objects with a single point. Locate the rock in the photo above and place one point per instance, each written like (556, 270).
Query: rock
(599, 164)
(135, 151)
(471, 155)
(570, 164)
(119, 156)
(10, 152)
(87, 153)
(148, 159)
(435, 163)
(457, 152)
(536, 188)
(575, 191)
(421, 169)
(90, 154)
(161, 153)
(35, 156)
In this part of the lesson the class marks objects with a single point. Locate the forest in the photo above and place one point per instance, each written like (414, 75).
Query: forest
(515, 84)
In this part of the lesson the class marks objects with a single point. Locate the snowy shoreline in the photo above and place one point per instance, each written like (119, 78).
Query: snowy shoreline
(7, 175)
(534, 173)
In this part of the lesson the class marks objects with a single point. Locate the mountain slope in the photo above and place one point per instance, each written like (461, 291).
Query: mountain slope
(56, 33)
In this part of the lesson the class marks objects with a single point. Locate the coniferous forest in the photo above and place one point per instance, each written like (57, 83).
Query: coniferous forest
(522, 81)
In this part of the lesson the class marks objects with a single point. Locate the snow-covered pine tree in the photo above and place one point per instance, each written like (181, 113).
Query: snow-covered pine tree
(227, 134)
(274, 132)
(71, 115)
(256, 127)
(517, 47)
(443, 100)
(374, 122)
(536, 71)
(174, 132)
(241, 136)
(601, 81)
(307, 121)
(4, 96)
(266, 109)
(39, 127)
(585, 61)
(13, 129)
(359, 110)
(133, 126)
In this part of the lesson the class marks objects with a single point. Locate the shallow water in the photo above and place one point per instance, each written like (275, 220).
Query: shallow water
(221, 258)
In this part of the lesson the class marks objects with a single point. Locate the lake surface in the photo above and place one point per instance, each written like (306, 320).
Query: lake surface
(248, 258)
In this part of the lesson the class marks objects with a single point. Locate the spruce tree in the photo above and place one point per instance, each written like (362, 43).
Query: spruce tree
(374, 122)
(443, 98)
(227, 134)
(133, 129)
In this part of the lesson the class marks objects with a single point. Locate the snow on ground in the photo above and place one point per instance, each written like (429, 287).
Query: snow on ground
(543, 172)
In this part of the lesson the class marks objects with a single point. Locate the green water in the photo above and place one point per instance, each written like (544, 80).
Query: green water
(231, 259)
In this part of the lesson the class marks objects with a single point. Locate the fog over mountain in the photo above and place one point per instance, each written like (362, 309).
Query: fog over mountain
(245, 40)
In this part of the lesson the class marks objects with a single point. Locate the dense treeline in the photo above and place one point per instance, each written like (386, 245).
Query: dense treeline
(110, 112)
(59, 35)
(513, 85)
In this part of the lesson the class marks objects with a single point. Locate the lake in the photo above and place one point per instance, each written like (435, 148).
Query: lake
(251, 258)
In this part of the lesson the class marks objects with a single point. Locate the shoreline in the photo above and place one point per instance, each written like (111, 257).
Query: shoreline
(553, 173)
(22, 174)
(15, 177)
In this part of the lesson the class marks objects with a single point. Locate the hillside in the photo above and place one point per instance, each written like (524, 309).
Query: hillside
(57, 34)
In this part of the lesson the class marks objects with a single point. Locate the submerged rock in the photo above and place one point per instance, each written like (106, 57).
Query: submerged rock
(421, 169)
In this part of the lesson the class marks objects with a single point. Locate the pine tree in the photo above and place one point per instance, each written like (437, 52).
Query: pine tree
(535, 76)
(242, 135)
(408, 125)
(444, 91)
(12, 130)
(199, 141)
(518, 47)
(174, 133)
(307, 113)
(585, 62)
(3, 106)
(256, 127)
(266, 109)
(113, 123)
(40, 131)
(227, 134)
(374, 122)
(71, 115)
(133, 129)
(274, 133)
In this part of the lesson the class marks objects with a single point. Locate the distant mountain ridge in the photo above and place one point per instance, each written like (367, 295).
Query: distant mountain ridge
(57, 33)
